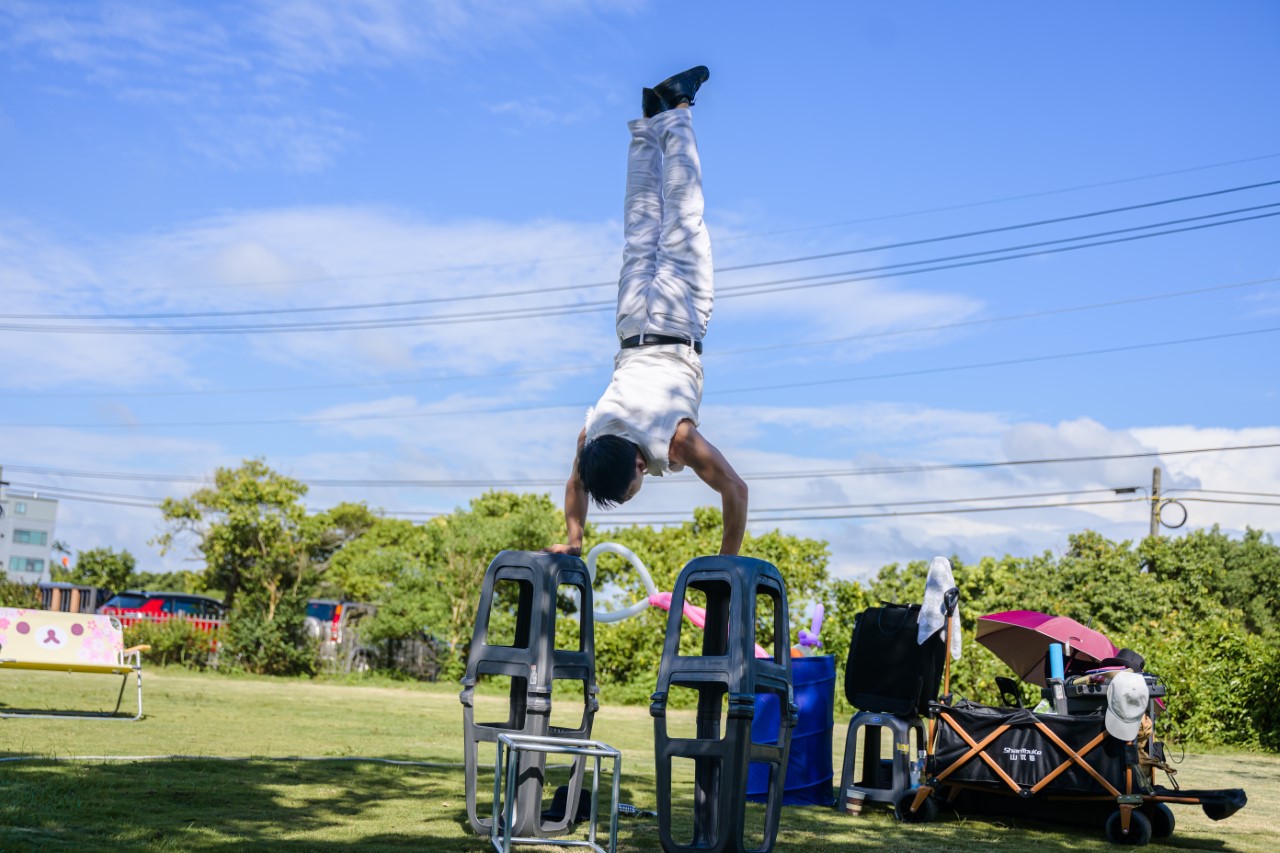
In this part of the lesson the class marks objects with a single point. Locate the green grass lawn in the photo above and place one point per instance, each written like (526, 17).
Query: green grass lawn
(273, 803)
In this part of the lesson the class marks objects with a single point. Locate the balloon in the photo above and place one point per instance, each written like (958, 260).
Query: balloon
(696, 615)
(809, 639)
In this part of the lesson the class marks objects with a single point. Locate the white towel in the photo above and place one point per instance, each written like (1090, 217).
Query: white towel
(932, 617)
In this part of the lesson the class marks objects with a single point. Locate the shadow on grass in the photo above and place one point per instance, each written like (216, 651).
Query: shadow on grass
(291, 805)
(214, 805)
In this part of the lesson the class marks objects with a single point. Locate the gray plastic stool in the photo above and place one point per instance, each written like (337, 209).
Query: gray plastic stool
(532, 663)
(727, 665)
(880, 778)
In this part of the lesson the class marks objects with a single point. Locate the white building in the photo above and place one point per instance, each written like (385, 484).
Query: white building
(26, 532)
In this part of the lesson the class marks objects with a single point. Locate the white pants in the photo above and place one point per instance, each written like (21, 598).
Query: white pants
(666, 283)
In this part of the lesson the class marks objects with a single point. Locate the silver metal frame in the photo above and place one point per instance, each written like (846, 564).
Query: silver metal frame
(501, 837)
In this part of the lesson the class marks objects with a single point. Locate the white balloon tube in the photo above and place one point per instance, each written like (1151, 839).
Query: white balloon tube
(632, 610)
(624, 613)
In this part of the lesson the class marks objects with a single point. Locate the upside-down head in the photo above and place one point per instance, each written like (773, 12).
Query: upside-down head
(611, 469)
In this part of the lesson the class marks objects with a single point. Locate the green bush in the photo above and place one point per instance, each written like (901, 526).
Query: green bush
(174, 641)
(14, 594)
(261, 641)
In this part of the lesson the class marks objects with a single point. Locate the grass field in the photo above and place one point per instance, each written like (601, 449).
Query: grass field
(273, 801)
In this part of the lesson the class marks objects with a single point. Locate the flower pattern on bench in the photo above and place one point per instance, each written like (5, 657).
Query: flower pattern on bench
(102, 642)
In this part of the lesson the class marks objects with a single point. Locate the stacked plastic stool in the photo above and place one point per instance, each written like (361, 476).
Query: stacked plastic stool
(533, 663)
(891, 678)
(727, 665)
(882, 778)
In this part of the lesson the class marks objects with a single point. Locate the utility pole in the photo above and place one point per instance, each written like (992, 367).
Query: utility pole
(1155, 501)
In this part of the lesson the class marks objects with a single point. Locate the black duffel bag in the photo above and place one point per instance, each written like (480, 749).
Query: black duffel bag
(887, 670)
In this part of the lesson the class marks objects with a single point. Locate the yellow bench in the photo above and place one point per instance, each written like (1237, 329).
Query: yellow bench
(53, 641)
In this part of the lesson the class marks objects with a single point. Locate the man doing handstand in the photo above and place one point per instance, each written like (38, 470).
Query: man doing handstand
(647, 420)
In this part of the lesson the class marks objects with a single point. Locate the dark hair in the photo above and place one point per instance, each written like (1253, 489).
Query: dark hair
(606, 466)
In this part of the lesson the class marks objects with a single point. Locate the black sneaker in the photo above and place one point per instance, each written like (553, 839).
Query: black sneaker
(680, 88)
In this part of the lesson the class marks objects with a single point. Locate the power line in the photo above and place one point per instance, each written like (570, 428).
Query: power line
(1221, 501)
(773, 287)
(1002, 363)
(753, 519)
(525, 314)
(754, 235)
(70, 493)
(86, 498)
(1225, 492)
(171, 315)
(757, 475)
(1028, 315)
(551, 406)
(619, 522)
(710, 354)
(997, 230)
(1002, 199)
(971, 466)
(955, 511)
(749, 289)
(927, 502)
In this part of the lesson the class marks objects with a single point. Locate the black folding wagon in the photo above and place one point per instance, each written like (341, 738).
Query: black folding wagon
(1061, 766)
(1051, 766)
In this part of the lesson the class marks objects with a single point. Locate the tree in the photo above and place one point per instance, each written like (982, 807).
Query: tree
(468, 542)
(261, 548)
(248, 527)
(101, 567)
(389, 553)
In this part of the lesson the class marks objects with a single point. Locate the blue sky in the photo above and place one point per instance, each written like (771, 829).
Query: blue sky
(169, 158)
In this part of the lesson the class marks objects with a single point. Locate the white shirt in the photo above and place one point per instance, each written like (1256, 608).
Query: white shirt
(653, 389)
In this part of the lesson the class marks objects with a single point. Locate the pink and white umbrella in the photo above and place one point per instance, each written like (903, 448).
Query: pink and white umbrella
(1021, 639)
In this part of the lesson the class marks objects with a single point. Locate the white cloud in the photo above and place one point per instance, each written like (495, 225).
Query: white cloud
(543, 111)
(314, 258)
(222, 78)
(301, 142)
(42, 275)
(1242, 471)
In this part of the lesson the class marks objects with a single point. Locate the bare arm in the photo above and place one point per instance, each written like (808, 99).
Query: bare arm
(688, 447)
(575, 508)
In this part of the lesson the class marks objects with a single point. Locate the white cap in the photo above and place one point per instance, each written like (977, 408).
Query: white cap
(1127, 698)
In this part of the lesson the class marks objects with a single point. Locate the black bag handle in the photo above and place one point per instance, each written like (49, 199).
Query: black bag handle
(906, 614)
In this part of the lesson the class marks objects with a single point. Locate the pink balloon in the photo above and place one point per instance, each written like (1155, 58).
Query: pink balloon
(696, 615)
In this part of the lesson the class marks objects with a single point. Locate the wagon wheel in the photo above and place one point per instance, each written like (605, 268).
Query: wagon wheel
(1139, 829)
(902, 808)
(1162, 822)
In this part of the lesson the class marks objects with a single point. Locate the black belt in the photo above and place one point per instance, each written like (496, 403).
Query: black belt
(651, 340)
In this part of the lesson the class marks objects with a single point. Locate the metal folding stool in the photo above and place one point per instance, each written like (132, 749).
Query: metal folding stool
(504, 797)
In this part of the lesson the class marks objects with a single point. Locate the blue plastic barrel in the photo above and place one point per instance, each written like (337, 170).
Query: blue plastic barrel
(808, 780)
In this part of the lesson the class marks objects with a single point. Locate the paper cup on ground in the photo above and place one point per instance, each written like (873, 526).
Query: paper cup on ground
(853, 801)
